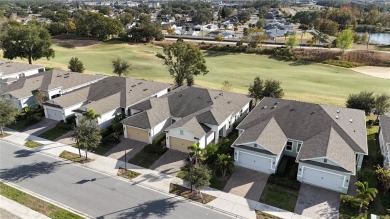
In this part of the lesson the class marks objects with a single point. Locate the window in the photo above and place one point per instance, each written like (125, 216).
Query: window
(289, 146)
(325, 160)
(299, 147)
(181, 132)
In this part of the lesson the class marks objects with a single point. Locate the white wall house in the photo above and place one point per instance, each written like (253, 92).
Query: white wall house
(384, 139)
(12, 71)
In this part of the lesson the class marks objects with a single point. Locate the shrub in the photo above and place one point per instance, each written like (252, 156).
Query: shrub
(350, 202)
(105, 132)
(71, 120)
(337, 58)
(367, 175)
(345, 64)
(158, 139)
(285, 182)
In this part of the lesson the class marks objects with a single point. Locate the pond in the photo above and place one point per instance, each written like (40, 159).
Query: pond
(379, 38)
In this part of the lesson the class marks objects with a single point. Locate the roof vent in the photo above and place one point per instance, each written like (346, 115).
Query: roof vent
(338, 111)
(350, 120)
(337, 117)
(133, 85)
(292, 109)
(145, 89)
(274, 106)
(264, 107)
(311, 113)
(215, 97)
(229, 102)
(139, 82)
(276, 103)
(59, 76)
(199, 98)
(66, 76)
(179, 95)
(220, 94)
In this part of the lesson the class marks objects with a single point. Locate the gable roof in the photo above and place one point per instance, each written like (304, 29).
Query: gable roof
(384, 124)
(9, 67)
(325, 131)
(190, 104)
(47, 81)
(110, 93)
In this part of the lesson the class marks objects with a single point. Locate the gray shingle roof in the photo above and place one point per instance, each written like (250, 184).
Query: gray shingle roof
(325, 131)
(9, 67)
(384, 123)
(46, 81)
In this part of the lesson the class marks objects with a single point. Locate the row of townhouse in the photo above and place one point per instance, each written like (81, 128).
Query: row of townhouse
(12, 71)
(328, 142)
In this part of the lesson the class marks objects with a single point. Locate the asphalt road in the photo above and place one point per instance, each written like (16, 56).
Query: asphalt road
(92, 193)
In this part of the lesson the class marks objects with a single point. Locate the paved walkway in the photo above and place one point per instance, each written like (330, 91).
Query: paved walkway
(12, 210)
(226, 202)
(246, 183)
(132, 148)
(170, 162)
(317, 202)
(41, 127)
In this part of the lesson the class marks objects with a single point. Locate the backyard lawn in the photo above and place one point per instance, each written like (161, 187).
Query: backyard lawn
(308, 82)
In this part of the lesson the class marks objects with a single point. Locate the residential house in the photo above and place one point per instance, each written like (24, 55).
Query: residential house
(108, 97)
(327, 142)
(188, 115)
(53, 83)
(12, 71)
(384, 139)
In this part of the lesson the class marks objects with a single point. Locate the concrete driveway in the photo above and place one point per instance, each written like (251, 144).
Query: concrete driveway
(171, 162)
(132, 148)
(246, 183)
(316, 202)
(41, 127)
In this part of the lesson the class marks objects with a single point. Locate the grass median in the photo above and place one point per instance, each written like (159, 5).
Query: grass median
(36, 204)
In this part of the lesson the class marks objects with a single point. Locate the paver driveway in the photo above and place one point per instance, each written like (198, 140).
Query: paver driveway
(246, 183)
(41, 127)
(171, 162)
(132, 148)
(316, 202)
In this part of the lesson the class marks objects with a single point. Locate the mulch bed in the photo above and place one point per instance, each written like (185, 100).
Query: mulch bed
(186, 193)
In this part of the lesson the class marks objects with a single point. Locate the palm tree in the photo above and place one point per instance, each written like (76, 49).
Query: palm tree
(224, 163)
(303, 33)
(91, 115)
(365, 193)
(196, 151)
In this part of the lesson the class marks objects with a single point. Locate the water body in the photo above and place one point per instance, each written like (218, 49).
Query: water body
(379, 38)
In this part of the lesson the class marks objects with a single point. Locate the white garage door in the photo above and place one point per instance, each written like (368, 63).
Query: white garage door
(54, 114)
(253, 162)
(323, 179)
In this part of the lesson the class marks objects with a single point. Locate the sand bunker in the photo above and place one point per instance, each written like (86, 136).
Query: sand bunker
(379, 72)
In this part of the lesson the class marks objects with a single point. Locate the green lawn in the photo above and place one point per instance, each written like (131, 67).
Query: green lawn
(148, 155)
(36, 204)
(280, 197)
(32, 144)
(313, 82)
(53, 133)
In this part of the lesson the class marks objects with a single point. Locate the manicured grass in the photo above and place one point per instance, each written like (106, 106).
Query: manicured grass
(36, 204)
(148, 155)
(219, 182)
(128, 174)
(308, 82)
(20, 125)
(53, 133)
(74, 157)
(279, 197)
(186, 193)
(32, 144)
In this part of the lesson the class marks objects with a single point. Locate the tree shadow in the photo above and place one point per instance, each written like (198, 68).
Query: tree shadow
(300, 62)
(155, 208)
(216, 54)
(23, 172)
(23, 153)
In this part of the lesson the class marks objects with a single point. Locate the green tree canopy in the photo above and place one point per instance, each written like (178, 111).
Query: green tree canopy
(87, 135)
(365, 193)
(364, 101)
(120, 66)
(224, 163)
(76, 65)
(292, 41)
(345, 39)
(269, 88)
(382, 104)
(199, 176)
(183, 61)
(29, 41)
(7, 114)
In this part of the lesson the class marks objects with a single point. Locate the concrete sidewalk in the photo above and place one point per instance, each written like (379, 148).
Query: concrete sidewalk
(225, 202)
(16, 210)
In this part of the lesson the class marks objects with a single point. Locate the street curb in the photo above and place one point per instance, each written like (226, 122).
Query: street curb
(125, 180)
(46, 199)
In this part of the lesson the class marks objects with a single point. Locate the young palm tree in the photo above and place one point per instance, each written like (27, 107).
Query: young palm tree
(365, 193)
(196, 151)
(91, 115)
(224, 163)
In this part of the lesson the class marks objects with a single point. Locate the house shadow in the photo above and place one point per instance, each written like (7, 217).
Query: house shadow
(155, 208)
(23, 172)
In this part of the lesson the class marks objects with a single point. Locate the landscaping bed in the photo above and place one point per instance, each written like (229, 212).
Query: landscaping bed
(74, 157)
(32, 144)
(5, 135)
(59, 130)
(262, 215)
(36, 204)
(128, 174)
(148, 155)
(186, 193)
(280, 197)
